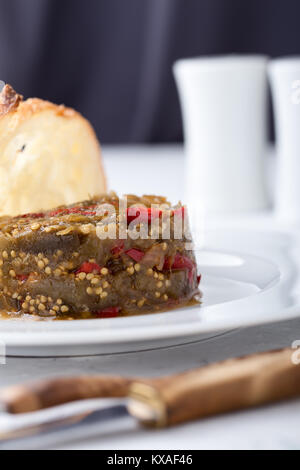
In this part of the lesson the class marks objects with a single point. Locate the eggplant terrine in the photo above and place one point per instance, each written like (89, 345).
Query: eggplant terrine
(57, 264)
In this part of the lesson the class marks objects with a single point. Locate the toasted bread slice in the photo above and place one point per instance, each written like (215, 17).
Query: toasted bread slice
(49, 155)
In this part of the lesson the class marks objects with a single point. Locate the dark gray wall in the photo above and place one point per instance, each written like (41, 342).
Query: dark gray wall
(112, 59)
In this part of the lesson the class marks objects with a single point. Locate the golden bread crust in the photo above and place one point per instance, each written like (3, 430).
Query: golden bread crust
(9, 100)
(49, 155)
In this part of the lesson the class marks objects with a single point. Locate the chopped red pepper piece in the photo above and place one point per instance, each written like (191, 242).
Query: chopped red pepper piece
(191, 273)
(80, 210)
(22, 277)
(56, 212)
(154, 214)
(199, 279)
(118, 248)
(136, 255)
(180, 211)
(182, 262)
(167, 264)
(144, 214)
(110, 312)
(89, 213)
(36, 215)
(88, 267)
(74, 210)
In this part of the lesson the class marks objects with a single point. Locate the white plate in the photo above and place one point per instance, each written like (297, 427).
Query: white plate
(251, 284)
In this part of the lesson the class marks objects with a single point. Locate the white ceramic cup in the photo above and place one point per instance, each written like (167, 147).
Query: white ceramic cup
(285, 83)
(223, 102)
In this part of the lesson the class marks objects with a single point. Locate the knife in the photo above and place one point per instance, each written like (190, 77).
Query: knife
(226, 386)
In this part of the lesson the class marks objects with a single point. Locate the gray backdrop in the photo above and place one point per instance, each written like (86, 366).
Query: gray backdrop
(112, 59)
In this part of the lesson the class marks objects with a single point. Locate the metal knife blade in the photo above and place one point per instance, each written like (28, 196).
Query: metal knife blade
(71, 420)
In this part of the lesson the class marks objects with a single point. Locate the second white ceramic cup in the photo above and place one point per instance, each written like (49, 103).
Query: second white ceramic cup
(223, 102)
(285, 83)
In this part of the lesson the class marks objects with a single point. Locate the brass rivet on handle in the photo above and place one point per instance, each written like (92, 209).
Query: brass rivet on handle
(146, 404)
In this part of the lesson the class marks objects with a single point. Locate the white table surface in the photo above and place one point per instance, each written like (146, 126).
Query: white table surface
(159, 170)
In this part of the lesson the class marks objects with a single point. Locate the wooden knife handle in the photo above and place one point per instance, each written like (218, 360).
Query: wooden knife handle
(227, 386)
(47, 393)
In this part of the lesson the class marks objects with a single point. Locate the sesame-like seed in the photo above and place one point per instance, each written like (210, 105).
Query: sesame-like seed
(32, 302)
(86, 229)
(13, 254)
(52, 312)
(75, 254)
(133, 301)
(24, 305)
(59, 253)
(1, 262)
(5, 254)
(92, 260)
(15, 295)
(35, 226)
(42, 307)
(130, 270)
(56, 308)
(159, 284)
(12, 273)
(65, 231)
(50, 299)
(149, 272)
(57, 272)
(43, 299)
(19, 297)
(168, 283)
(165, 297)
(99, 290)
(89, 276)
(22, 254)
(64, 309)
(41, 264)
(137, 267)
(157, 295)
(37, 301)
(161, 277)
(82, 276)
(105, 284)
(28, 298)
(59, 302)
(48, 229)
(141, 303)
(155, 275)
(103, 295)
(95, 281)
(104, 271)
(89, 291)
(48, 270)
(46, 261)
(40, 256)
(31, 309)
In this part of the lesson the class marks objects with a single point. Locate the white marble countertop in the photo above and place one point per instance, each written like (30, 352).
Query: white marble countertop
(272, 427)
